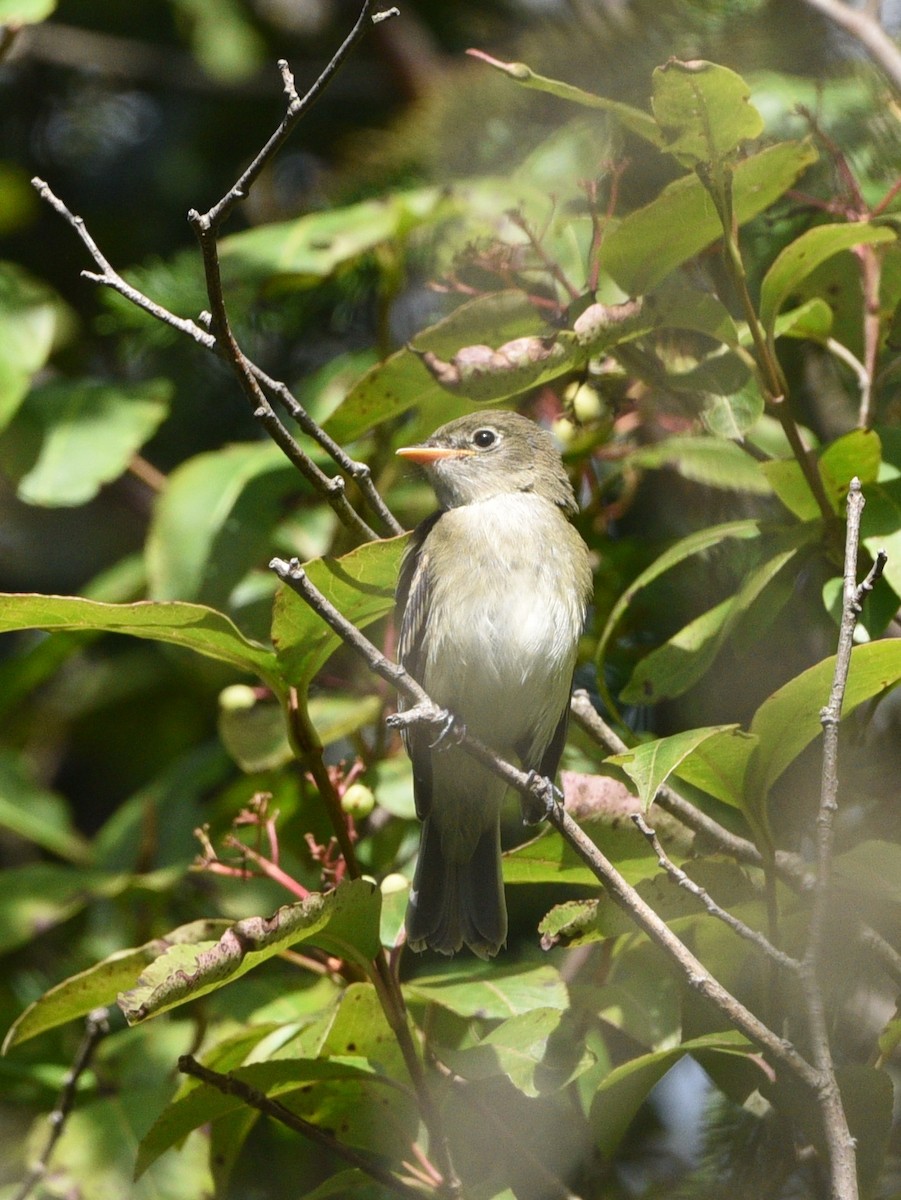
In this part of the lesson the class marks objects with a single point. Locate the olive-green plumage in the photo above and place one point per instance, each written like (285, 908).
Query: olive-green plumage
(492, 595)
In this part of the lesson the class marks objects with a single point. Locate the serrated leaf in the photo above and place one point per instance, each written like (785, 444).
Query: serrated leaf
(651, 764)
(100, 984)
(805, 254)
(719, 764)
(89, 431)
(192, 626)
(343, 922)
(681, 222)
(703, 110)
(359, 584)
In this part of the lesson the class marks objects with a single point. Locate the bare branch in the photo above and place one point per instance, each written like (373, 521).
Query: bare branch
(839, 1142)
(246, 1092)
(537, 788)
(96, 1027)
(685, 881)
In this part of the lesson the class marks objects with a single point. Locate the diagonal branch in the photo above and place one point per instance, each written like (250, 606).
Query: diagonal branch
(529, 784)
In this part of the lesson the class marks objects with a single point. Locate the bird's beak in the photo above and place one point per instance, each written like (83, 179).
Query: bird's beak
(429, 454)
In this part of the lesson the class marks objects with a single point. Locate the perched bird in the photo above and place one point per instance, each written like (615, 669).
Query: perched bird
(492, 596)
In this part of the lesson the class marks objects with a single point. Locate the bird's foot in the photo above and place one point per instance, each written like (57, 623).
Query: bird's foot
(449, 731)
(542, 800)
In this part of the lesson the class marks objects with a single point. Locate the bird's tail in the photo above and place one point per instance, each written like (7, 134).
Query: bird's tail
(456, 903)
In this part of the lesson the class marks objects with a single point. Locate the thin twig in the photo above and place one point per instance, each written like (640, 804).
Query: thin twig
(685, 881)
(96, 1027)
(248, 1094)
(839, 1142)
(531, 785)
(791, 868)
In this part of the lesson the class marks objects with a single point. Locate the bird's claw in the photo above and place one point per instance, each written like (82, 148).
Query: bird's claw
(450, 731)
(542, 799)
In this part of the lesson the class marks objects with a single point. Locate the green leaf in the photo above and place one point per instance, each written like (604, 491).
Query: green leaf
(549, 859)
(680, 662)
(789, 720)
(706, 460)
(213, 521)
(788, 481)
(33, 319)
(99, 985)
(872, 869)
(734, 415)
(650, 765)
(402, 382)
(204, 1104)
(880, 527)
(23, 12)
(625, 1089)
(35, 898)
(32, 812)
(491, 992)
(537, 1051)
(855, 454)
(805, 254)
(190, 625)
(89, 432)
(344, 922)
(316, 245)
(695, 543)
(718, 765)
(652, 241)
(703, 111)
(359, 584)
(633, 119)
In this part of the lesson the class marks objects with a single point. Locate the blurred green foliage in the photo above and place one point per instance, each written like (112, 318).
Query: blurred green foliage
(148, 661)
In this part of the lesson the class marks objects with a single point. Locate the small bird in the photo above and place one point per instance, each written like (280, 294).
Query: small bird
(492, 596)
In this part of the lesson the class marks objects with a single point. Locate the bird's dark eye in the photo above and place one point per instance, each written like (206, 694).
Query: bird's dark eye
(483, 438)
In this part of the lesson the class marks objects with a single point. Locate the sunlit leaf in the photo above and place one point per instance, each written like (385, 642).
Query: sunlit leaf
(359, 584)
(88, 432)
(679, 223)
(343, 922)
(493, 991)
(703, 110)
(190, 625)
(213, 521)
(806, 253)
(99, 984)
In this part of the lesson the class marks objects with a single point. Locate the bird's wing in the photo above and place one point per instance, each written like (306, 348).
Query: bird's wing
(413, 594)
